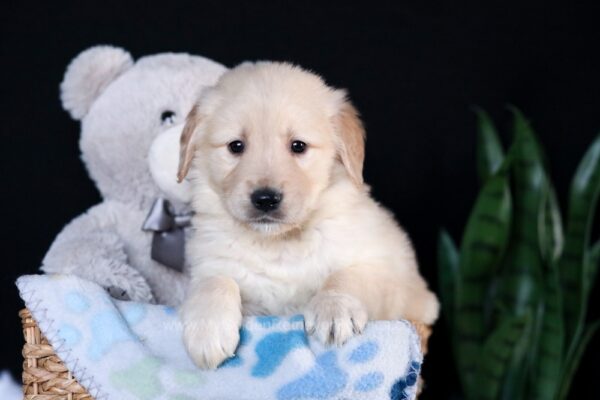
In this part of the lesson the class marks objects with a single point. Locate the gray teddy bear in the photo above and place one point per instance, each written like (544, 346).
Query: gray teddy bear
(124, 107)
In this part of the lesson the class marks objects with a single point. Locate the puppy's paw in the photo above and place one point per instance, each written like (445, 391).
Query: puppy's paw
(335, 317)
(210, 341)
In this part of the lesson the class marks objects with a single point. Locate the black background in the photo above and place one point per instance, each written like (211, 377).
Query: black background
(413, 70)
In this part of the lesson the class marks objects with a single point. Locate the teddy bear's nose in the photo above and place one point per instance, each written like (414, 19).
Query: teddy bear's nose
(266, 199)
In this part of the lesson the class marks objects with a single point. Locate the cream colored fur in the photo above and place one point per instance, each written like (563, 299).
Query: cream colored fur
(331, 252)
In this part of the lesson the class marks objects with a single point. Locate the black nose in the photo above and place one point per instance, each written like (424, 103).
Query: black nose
(266, 199)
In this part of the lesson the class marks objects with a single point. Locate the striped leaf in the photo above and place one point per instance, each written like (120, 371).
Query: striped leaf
(496, 354)
(574, 357)
(447, 273)
(550, 229)
(547, 359)
(482, 246)
(514, 382)
(490, 154)
(583, 197)
(547, 367)
(521, 283)
(593, 263)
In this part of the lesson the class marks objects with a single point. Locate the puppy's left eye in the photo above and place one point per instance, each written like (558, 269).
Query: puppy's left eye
(298, 146)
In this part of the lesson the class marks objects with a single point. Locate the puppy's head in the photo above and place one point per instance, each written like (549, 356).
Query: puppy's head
(270, 135)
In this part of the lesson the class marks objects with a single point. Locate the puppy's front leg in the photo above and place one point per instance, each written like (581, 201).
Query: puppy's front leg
(212, 317)
(352, 296)
(337, 312)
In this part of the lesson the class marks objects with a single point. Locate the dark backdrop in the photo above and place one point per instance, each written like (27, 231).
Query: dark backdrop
(413, 70)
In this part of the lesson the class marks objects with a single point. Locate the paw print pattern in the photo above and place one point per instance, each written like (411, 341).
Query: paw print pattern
(400, 389)
(296, 318)
(368, 382)
(141, 379)
(77, 302)
(273, 348)
(133, 313)
(170, 310)
(365, 352)
(267, 321)
(70, 335)
(326, 379)
(236, 360)
(187, 377)
(107, 329)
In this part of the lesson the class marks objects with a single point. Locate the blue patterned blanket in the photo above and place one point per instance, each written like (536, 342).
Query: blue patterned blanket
(125, 350)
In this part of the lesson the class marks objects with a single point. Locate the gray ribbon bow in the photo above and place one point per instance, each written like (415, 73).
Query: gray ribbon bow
(168, 241)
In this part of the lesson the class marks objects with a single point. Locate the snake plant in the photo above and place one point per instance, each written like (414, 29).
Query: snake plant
(515, 294)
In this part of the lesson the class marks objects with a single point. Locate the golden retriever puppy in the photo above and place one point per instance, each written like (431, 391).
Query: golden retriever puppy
(284, 223)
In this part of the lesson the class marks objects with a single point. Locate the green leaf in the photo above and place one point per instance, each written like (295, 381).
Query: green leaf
(550, 227)
(447, 273)
(514, 382)
(483, 244)
(490, 154)
(496, 355)
(583, 198)
(546, 359)
(521, 276)
(574, 357)
(593, 263)
(521, 282)
(547, 365)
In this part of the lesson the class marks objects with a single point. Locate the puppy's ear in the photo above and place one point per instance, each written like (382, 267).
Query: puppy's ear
(187, 143)
(351, 141)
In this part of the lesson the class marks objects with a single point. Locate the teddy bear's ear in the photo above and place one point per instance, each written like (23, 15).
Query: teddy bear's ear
(89, 74)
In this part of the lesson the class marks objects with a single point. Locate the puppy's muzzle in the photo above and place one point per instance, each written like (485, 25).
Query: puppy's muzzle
(266, 199)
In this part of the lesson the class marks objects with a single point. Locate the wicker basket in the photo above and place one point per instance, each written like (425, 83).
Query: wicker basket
(45, 377)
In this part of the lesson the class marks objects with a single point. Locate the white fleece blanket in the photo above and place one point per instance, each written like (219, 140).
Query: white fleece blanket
(125, 350)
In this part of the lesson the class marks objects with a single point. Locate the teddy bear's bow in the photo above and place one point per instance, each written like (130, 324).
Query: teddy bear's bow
(168, 241)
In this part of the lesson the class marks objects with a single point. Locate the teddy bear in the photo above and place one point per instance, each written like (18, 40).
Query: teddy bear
(131, 115)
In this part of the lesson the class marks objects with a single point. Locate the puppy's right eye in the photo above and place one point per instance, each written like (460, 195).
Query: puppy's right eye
(298, 146)
(236, 147)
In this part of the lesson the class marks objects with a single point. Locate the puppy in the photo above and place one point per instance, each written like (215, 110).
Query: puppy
(284, 223)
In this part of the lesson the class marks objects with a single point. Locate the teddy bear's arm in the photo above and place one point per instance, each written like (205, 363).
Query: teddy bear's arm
(90, 247)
